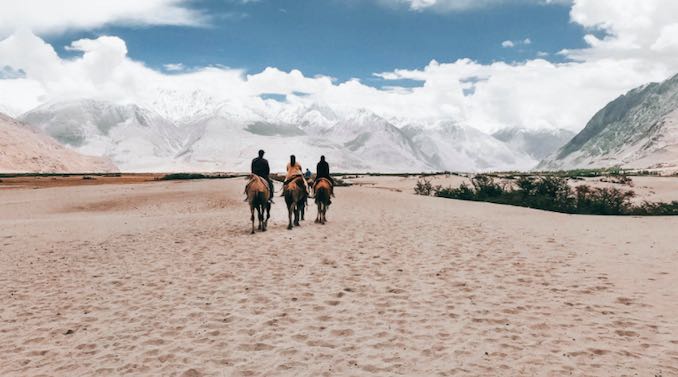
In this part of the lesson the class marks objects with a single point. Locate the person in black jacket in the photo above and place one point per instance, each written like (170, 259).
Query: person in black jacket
(322, 170)
(260, 167)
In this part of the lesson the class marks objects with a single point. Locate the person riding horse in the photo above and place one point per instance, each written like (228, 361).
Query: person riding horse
(323, 171)
(295, 171)
(260, 167)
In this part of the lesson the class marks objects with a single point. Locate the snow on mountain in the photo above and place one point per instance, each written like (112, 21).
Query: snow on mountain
(225, 144)
(452, 147)
(377, 143)
(638, 129)
(135, 139)
(24, 149)
(180, 106)
(204, 134)
(538, 144)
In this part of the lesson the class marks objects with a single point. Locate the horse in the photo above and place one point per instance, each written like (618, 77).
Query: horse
(323, 189)
(258, 194)
(295, 197)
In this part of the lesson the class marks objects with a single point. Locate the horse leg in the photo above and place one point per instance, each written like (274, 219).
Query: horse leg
(268, 215)
(290, 209)
(302, 209)
(252, 217)
(317, 217)
(296, 214)
(260, 215)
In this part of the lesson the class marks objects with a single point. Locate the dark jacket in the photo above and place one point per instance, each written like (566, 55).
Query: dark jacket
(260, 167)
(322, 170)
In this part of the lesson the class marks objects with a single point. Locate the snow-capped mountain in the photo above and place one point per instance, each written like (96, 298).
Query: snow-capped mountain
(24, 149)
(378, 143)
(180, 106)
(208, 135)
(452, 147)
(538, 144)
(135, 139)
(638, 129)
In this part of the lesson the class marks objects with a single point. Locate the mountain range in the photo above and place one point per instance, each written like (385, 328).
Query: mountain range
(204, 135)
(174, 131)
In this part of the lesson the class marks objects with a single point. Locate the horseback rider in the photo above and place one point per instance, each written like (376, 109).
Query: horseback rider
(294, 171)
(323, 171)
(260, 167)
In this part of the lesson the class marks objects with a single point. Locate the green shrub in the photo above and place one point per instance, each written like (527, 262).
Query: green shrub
(655, 209)
(485, 187)
(423, 187)
(553, 193)
(463, 192)
(603, 201)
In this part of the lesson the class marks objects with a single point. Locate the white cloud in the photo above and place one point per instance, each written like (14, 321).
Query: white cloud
(463, 5)
(511, 44)
(535, 93)
(49, 16)
(174, 67)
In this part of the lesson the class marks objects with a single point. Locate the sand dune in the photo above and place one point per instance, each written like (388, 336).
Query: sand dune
(163, 279)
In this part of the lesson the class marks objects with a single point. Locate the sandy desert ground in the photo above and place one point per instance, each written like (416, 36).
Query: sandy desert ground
(163, 279)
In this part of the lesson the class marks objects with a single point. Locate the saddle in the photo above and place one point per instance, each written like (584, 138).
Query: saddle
(294, 179)
(299, 180)
(320, 180)
(254, 178)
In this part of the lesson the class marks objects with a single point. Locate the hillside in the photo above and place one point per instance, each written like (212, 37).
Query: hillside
(26, 150)
(638, 129)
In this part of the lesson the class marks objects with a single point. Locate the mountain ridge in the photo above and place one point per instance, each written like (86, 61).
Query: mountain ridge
(637, 129)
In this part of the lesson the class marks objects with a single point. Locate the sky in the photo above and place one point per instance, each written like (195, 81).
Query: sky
(488, 64)
(343, 40)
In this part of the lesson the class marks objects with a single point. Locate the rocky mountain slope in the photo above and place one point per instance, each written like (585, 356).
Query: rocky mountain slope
(24, 149)
(638, 129)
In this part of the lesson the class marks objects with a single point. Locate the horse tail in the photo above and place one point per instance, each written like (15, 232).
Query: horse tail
(322, 195)
(259, 199)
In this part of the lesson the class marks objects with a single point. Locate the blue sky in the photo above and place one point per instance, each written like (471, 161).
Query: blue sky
(440, 59)
(344, 39)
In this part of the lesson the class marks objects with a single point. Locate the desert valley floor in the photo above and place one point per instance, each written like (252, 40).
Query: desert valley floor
(163, 278)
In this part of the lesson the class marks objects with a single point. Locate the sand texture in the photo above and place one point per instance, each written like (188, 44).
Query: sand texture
(163, 279)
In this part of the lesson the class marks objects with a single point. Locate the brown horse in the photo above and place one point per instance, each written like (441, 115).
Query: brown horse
(323, 189)
(295, 198)
(257, 192)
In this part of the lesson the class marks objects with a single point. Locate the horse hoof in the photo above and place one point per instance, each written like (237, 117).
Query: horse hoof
(289, 227)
